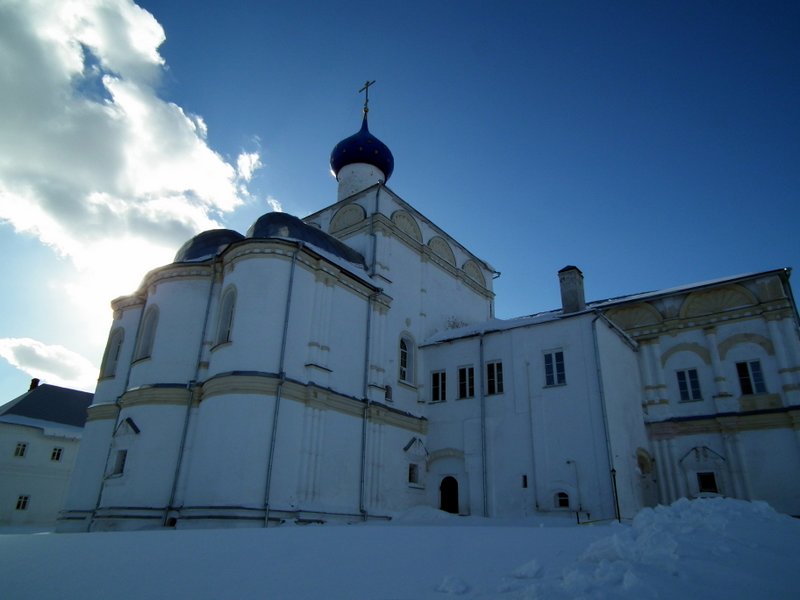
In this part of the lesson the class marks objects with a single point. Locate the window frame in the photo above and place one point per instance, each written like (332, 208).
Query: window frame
(561, 500)
(57, 454)
(494, 377)
(22, 502)
(439, 386)
(553, 376)
(120, 460)
(466, 382)
(113, 350)
(21, 450)
(227, 309)
(406, 358)
(689, 389)
(706, 489)
(147, 334)
(751, 377)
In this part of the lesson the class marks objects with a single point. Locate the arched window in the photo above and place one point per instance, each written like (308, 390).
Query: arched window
(406, 360)
(147, 333)
(226, 316)
(561, 500)
(111, 357)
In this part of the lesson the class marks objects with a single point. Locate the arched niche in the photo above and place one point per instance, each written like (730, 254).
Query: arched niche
(697, 349)
(745, 338)
(347, 216)
(473, 271)
(407, 224)
(441, 248)
(637, 315)
(717, 300)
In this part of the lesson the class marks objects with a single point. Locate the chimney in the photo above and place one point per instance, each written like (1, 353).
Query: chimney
(34, 384)
(572, 297)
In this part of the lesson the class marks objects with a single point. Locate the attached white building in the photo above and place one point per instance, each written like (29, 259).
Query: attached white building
(39, 436)
(349, 365)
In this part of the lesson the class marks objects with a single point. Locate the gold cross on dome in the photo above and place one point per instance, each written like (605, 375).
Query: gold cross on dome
(365, 89)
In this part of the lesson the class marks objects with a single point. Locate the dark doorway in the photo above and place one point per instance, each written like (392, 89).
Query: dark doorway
(448, 495)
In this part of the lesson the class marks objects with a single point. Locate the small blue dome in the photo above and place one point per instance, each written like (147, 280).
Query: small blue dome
(282, 225)
(363, 147)
(207, 245)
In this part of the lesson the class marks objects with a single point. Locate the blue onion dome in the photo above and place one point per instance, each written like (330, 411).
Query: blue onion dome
(363, 147)
(207, 245)
(282, 225)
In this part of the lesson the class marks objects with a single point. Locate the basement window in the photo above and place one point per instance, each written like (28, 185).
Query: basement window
(707, 483)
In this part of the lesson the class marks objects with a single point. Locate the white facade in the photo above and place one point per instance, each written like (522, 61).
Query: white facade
(38, 448)
(349, 366)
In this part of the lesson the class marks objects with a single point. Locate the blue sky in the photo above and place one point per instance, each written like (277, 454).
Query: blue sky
(651, 144)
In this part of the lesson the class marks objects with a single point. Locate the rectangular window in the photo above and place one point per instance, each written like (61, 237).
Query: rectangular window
(20, 450)
(751, 378)
(438, 386)
(554, 373)
(55, 455)
(707, 483)
(413, 473)
(689, 385)
(466, 382)
(494, 378)
(119, 463)
(22, 502)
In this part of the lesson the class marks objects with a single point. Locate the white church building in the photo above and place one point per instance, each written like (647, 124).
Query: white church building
(348, 366)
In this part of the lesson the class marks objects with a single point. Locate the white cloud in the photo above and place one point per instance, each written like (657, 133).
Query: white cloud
(89, 154)
(50, 363)
(247, 164)
(274, 204)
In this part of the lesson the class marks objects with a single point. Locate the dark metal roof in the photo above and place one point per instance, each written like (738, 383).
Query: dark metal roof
(282, 225)
(362, 147)
(51, 403)
(207, 245)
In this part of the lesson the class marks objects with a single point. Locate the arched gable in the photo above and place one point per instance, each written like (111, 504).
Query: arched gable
(717, 300)
(637, 315)
(473, 271)
(346, 217)
(441, 248)
(407, 224)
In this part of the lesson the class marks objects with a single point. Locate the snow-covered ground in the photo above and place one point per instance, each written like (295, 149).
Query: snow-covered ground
(712, 548)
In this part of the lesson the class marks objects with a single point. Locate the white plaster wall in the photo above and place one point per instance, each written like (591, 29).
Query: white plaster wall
(152, 455)
(87, 476)
(110, 388)
(621, 383)
(181, 311)
(34, 475)
(227, 462)
(771, 460)
(261, 291)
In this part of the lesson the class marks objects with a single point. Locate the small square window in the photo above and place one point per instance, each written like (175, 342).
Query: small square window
(56, 454)
(22, 502)
(20, 450)
(707, 483)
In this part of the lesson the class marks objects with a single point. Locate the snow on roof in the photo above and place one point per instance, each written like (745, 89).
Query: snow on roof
(49, 428)
(682, 288)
